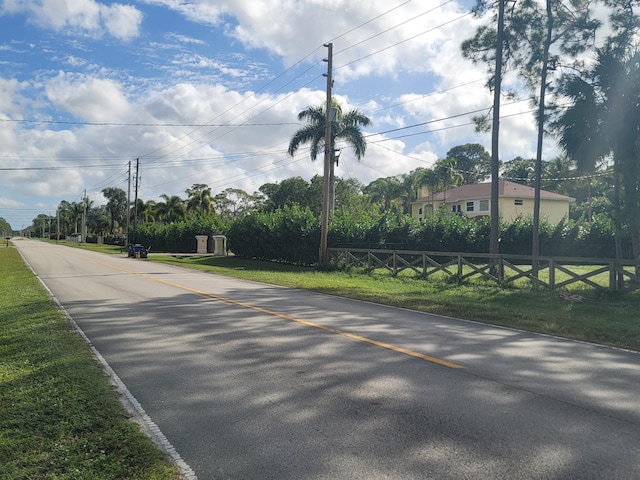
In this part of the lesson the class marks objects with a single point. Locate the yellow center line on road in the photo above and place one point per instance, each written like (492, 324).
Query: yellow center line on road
(284, 316)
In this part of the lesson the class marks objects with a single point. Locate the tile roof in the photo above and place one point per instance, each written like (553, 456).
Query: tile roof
(483, 190)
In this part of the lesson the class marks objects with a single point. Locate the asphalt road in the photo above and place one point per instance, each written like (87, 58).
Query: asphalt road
(254, 381)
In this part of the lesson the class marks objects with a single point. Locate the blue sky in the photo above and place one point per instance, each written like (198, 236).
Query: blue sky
(208, 91)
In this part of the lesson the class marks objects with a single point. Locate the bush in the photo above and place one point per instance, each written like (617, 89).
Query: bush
(290, 235)
(179, 237)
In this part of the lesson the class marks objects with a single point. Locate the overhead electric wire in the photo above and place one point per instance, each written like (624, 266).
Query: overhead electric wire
(390, 28)
(158, 160)
(297, 63)
(370, 21)
(139, 124)
(402, 41)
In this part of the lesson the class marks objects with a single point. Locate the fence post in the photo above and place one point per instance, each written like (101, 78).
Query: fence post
(459, 265)
(500, 269)
(613, 284)
(424, 265)
(552, 274)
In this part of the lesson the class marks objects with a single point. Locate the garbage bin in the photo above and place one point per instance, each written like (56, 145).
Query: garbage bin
(130, 250)
(139, 251)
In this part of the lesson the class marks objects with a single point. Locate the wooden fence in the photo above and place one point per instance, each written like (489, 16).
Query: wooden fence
(554, 273)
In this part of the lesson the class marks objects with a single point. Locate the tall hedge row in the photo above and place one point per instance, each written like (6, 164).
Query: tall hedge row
(287, 235)
(176, 237)
(292, 235)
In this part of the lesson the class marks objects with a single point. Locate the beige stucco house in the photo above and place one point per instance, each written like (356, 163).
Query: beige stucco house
(474, 201)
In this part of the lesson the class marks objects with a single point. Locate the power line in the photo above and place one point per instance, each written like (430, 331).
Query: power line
(392, 28)
(404, 41)
(138, 124)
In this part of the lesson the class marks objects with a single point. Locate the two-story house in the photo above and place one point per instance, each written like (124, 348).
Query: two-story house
(514, 199)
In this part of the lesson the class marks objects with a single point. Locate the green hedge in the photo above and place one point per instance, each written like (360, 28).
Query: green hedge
(292, 235)
(179, 237)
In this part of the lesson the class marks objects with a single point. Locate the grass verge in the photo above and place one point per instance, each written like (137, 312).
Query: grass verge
(59, 417)
(605, 318)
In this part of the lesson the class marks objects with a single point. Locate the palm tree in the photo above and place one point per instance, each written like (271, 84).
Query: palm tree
(77, 209)
(385, 192)
(200, 199)
(412, 184)
(447, 173)
(346, 128)
(519, 170)
(604, 120)
(149, 211)
(172, 209)
(116, 204)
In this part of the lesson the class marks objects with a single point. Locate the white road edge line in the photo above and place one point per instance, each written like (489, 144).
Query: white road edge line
(135, 409)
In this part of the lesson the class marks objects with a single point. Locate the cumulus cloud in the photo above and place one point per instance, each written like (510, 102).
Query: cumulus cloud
(80, 16)
(90, 98)
(206, 95)
(121, 21)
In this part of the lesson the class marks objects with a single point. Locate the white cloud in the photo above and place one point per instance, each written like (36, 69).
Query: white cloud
(121, 21)
(199, 11)
(175, 90)
(90, 98)
(80, 16)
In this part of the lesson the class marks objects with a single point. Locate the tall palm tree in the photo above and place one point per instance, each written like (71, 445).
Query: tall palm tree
(116, 204)
(346, 128)
(604, 120)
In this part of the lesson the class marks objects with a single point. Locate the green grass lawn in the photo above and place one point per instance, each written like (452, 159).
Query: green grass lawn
(59, 416)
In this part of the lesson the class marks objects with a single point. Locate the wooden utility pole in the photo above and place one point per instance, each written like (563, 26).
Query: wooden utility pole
(126, 235)
(328, 147)
(135, 202)
(84, 217)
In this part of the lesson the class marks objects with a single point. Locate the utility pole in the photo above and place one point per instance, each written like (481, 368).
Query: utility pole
(494, 236)
(135, 202)
(328, 147)
(126, 236)
(84, 217)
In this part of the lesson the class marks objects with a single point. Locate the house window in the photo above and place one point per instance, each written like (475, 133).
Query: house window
(518, 202)
(420, 212)
(484, 205)
(470, 206)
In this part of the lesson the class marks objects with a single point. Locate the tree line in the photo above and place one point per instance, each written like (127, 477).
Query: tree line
(463, 164)
(579, 62)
